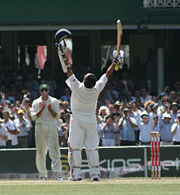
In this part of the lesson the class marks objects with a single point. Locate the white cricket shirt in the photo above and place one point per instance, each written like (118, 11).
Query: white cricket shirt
(84, 100)
(45, 117)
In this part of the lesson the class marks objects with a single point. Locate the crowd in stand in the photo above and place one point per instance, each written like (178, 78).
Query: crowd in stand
(122, 120)
(126, 112)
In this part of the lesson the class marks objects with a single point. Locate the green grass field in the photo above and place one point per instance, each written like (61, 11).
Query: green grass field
(129, 186)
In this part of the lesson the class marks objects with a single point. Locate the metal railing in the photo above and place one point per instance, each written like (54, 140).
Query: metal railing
(161, 3)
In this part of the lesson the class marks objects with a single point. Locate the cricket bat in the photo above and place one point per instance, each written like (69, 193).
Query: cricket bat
(119, 39)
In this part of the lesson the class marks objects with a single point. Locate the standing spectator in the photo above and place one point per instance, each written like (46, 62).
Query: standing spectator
(156, 124)
(99, 129)
(46, 111)
(165, 129)
(65, 130)
(165, 107)
(136, 113)
(108, 132)
(26, 106)
(23, 127)
(145, 126)
(12, 131)
(126, 126)
(103, 112)
(175, 130)
(116, 116)
(3, 135)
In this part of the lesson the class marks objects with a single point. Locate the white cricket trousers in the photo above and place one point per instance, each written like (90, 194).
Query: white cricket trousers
(46, 136)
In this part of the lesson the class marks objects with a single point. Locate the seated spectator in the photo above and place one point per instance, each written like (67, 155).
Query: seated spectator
(12, 131)
(144, 95)
(145, 126)
(125, 84)
(175, 130)
(165, 129)
(3, 135)
(126, 126)
(67, 97)
(174, 111)
(172, 96)
(110, 92)
(108, 132)
(23, 126)
(130, 97)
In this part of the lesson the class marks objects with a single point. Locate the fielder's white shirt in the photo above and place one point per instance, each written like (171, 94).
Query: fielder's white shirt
(45, 117)
(84, 100)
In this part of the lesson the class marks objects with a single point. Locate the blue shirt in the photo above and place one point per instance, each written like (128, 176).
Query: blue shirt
(127, 132)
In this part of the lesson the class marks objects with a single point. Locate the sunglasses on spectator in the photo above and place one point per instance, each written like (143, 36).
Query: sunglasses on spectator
(43, 90)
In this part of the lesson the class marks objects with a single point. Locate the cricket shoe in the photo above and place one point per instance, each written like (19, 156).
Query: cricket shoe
(74, 179)
(42, 178)
(59, 178)
(95, 179)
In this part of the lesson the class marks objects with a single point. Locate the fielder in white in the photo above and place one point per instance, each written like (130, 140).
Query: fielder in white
(83, 124)
(46, 111)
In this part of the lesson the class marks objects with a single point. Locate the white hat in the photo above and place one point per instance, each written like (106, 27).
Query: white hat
(144, 113)
(166, 115)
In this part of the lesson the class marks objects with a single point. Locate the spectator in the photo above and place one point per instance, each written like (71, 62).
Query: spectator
(65, 130)
(103, 113)
(108, 132)
(12, 131)
(145, 126)
(23, 127)
(26, 106)
(175, 130)
(135, 113)
(172, 96)
(165, 129)
(144, 95)
(165, 107)
(156, 124)
(125, 84)
(174, 111)
(116, 116)
(67, 97)
(126, 126)
(3, 135)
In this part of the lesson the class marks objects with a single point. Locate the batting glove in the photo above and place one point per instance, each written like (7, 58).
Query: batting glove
(118, 58)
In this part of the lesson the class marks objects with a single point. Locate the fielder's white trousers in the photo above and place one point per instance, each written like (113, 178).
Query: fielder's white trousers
(46, 137)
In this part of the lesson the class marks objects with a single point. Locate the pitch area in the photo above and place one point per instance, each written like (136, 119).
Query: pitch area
(122, 186)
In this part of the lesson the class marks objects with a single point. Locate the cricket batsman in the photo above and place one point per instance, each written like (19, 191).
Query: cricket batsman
(84, 96)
